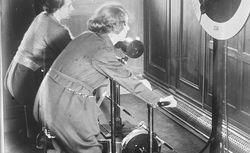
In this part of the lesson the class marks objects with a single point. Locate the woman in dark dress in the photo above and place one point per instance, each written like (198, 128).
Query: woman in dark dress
(42, 43)
(66, 100)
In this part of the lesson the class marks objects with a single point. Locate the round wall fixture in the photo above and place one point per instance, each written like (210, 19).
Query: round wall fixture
(222, 19)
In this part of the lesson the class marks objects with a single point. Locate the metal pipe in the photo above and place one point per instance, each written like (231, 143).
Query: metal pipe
(150, 127)
(217, 99)
(112, 108)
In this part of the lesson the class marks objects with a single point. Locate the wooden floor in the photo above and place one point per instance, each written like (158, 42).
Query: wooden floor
(172, 133)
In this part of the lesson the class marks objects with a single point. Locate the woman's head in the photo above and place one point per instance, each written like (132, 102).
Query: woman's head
(62, 8)
(59, 8)
(50, 6)
(109, 18)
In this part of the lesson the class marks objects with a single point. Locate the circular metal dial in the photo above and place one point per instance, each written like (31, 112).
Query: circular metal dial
(222, 19)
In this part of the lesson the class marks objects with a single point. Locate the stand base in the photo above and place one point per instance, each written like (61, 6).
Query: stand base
(106, 144)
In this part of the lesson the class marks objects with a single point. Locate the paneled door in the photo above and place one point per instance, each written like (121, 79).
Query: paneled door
(175, 50)
(156, 39)
(179, 56)
(238, 77)
(191, 57)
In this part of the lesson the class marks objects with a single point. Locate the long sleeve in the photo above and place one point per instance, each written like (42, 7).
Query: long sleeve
(106, 63)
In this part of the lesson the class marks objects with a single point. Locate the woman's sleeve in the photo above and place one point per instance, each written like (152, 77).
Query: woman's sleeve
(106, 63)
(62, 39)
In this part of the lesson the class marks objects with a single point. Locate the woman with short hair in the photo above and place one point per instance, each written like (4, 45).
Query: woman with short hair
(42, 43)
(66, 100)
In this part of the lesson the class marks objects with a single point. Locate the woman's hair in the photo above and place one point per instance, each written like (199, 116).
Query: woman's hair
(106, 18)
(50, 6)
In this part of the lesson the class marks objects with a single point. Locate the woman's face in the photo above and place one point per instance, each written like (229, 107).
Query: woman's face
(123, 33)
(119, 32)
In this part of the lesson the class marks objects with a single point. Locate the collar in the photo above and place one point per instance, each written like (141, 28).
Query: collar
(107, 40)
(119, 54)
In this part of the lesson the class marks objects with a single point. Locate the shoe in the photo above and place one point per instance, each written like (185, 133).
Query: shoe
(43, 141)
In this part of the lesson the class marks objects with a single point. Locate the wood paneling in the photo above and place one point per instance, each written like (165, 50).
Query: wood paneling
(238, 77)
(246, 70)
(157, 40)
(190, 76)
(179, 56)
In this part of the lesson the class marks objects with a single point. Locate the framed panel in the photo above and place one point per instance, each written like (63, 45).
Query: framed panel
(156, 38)
(192, 55)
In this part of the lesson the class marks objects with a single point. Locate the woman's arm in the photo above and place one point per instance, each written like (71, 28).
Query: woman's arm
(106, 63)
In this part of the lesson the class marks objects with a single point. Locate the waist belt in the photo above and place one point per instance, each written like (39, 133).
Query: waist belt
(71, 84)
(21, 59)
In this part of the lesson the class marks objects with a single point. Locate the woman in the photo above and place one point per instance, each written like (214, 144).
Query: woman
(42, 43)
(66, 100)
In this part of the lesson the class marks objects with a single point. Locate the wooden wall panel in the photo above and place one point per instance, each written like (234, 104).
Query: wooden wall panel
(179, 57)
(175, 47)
(232, 81)
(246, 70)
(238, 78)
(157, 39)
(232, 70)
(191, 57)
(246, 89)
(247, 38)
(158, 34)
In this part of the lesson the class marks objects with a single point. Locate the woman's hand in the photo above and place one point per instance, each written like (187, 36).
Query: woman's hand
(146, 83)
(168, 101)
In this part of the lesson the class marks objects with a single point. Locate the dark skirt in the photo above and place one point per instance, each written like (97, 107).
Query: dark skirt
(23, 83)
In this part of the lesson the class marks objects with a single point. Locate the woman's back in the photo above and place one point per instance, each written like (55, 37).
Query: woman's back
(44, 40)
(79, 54)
